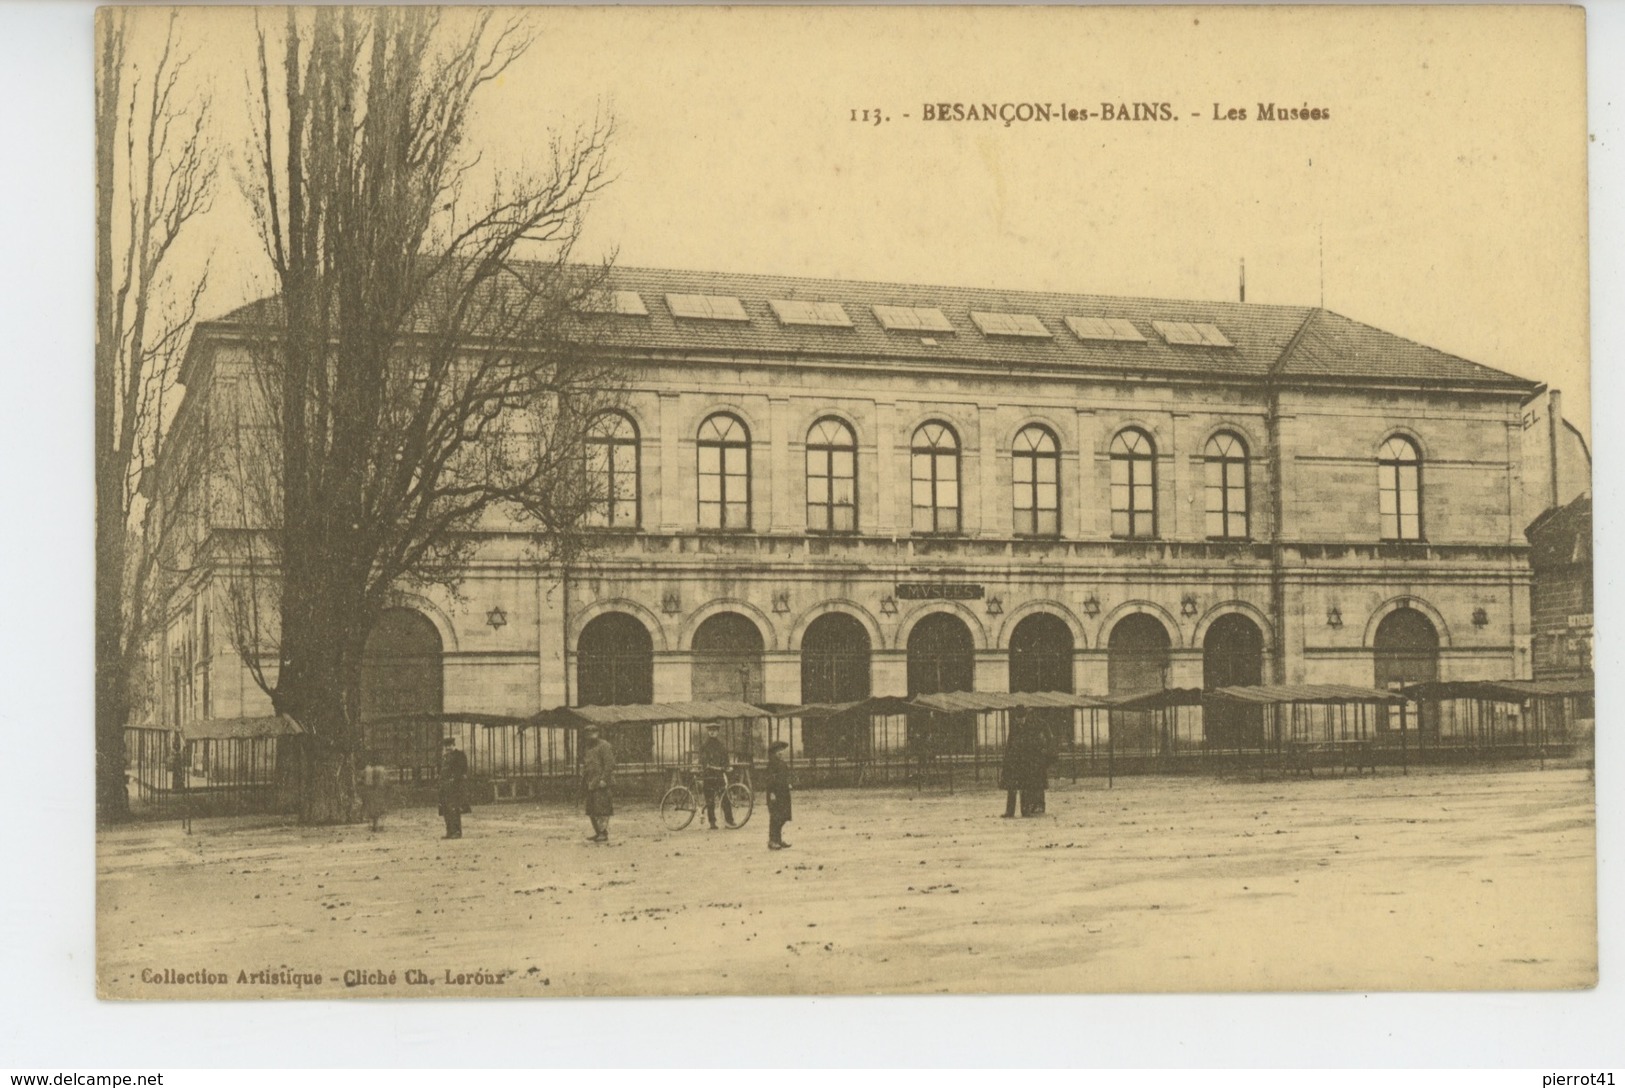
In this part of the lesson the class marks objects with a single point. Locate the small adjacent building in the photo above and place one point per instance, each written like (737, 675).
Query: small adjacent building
(1561, 600)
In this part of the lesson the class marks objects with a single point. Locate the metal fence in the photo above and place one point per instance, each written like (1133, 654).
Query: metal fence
(170, 776)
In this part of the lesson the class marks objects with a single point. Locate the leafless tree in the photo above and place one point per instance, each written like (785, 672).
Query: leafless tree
(154, 177)
(423, 366)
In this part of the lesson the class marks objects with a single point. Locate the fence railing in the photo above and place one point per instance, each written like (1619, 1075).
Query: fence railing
(213, 776)
(512, 759)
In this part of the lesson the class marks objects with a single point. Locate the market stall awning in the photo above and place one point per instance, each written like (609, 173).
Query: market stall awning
(1500, 691)
(449, 717)
(715, 710)
(275, 725)
(875, 706)
(959, 702)
(1280, 694)
(1154, 699)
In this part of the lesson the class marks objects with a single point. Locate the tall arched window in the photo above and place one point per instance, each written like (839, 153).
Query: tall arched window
(1226, 466)
(612, 472)
(724, 448)
(832, 477)
(1035, 473)
(1405, 648)
(1134, 484)
(1399, 489)
(936, 479)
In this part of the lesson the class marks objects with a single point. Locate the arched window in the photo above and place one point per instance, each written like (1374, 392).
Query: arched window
(403, 691)
(832, 477)
(614, 662)
(727, 659)
(1134, 485)
(1041, 655)
(835, 669)
(941, 657)
(615, 667)
(1399, 489)
(1405, 649)
(724, 448)
(1232, 656)
(1137, 660)
(1226, 459)
(1035, 473)
(612, 472)
(936, 479)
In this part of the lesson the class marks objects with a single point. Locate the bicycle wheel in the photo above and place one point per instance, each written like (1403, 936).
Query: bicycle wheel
(742, 800)
(677, 808)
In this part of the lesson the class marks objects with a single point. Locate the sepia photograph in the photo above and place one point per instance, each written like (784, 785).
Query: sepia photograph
(661, 502)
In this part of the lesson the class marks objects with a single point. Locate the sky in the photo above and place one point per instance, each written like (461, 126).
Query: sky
(1442, 199)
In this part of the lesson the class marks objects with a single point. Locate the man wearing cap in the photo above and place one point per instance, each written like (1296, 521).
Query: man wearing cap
(453, 787)
(714, 763)
(778, 795)
(597, 775)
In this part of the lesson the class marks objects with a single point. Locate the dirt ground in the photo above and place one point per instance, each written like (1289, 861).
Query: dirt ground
(1436, 880)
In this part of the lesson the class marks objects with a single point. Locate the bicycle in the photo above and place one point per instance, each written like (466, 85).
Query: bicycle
(686, 796)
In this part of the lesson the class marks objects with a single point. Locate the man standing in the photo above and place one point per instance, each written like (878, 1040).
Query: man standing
(1011, 771)
(453, 787)
(597, 775)
(1028, 751)
(778, 795)
(714, 763)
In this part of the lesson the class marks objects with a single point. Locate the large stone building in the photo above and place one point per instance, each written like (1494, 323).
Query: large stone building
(824, 489)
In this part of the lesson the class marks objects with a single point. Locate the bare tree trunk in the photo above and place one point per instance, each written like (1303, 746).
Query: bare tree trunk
(112, 802)
(153, 177)
(403, 410)
(319, 675)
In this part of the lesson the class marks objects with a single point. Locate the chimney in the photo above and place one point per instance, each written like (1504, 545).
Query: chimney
(1244, 279)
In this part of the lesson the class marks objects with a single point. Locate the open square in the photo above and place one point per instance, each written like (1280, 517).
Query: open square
(1432, 880)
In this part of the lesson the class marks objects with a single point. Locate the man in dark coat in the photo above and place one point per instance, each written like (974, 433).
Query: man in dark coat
(453, 787)
(1038, 754)
(714, 764)
(598, 779)
(1010, 770)
(778, 795)
(1025, 771)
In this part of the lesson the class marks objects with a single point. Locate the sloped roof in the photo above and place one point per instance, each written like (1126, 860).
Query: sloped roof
(979, 701)
(1294, 343)
(711, 710)
(1333, 346)
(1561, 536)
(1304, 693)
(274, 725)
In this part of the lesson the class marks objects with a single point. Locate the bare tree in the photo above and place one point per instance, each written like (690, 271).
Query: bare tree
(423, 367)
(154, 176)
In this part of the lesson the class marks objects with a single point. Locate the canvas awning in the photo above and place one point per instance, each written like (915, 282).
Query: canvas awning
(1281, 694)
(470, 717)
(959, 702)
(874, 706)
(1154, 699)
(274, 725)
(1500, 691)
(714, 710)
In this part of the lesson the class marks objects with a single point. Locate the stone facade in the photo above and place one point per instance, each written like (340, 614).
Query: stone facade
(1312, 572)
